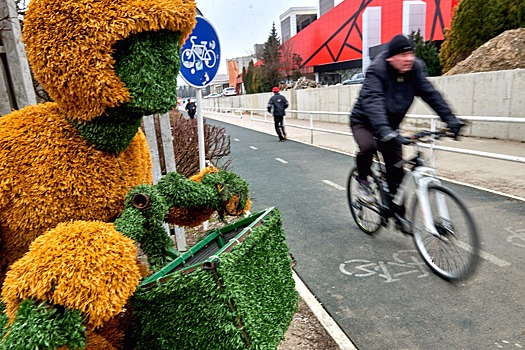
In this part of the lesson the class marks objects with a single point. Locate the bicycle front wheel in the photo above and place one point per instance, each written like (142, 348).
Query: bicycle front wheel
(452, 251)
(366, 215)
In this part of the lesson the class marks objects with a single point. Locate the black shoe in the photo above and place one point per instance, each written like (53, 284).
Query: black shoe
(281, 140)
(403, 224)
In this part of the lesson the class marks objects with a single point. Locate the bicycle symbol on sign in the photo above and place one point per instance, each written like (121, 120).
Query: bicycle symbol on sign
(198, 54)
(405, 263)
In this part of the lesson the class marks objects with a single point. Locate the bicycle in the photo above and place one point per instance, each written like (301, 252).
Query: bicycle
(442, 227)
(199, 53)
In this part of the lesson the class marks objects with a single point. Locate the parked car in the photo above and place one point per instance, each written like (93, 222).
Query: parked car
(229, 91)
(212, 95)
(355, 79)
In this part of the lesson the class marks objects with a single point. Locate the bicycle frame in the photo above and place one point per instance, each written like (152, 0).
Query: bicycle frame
(422, 177)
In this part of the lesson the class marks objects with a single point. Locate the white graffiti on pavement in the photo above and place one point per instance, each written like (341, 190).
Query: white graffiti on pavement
(406, 262)
(518, 235)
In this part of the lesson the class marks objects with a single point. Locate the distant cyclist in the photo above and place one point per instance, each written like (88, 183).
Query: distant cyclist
(392, 81)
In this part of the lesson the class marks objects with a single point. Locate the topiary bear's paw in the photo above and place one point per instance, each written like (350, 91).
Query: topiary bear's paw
(83, 266)
(232, 191)
(178, 200)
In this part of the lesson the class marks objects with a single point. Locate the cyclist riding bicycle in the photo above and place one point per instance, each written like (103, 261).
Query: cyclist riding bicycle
(392, 81)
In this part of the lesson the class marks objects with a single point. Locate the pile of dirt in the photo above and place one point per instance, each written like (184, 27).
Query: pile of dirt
(504, 52)
(301, 83)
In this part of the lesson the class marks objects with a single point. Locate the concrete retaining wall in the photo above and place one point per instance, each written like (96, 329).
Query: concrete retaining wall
(490, 94)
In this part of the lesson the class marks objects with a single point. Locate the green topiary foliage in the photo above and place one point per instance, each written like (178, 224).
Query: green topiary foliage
(145, 225)
(246, 303)
(4, 320)
(145, 62)
(39, 326)
(257, 277)
(112, 132)
(187, 312)
(229, 184)
(181, 192)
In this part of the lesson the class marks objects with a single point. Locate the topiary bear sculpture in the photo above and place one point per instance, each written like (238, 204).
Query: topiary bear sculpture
(105, 64)
(68, 165)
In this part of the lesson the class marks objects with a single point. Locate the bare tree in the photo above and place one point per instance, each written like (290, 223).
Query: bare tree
(186, 148)
(290, 62)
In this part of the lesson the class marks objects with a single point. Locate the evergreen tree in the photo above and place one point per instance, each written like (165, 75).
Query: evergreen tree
(257, 81)
(515, 13)
(248, 76)
(251, 78)
(271, 74)
(476, 22)
(246, 80)
(427, 52)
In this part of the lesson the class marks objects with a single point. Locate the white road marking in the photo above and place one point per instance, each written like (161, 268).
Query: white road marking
(334, 185)
(236, 140)
(281, 160)
(253, 147)
(484, 255)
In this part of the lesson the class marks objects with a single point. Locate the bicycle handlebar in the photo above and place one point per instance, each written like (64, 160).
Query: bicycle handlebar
(419, 136)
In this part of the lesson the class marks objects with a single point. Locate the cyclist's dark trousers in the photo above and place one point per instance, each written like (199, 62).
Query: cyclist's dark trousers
(391, 151)
(279, 126)
(191, 115)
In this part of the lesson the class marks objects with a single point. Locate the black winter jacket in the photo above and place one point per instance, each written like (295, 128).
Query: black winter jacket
(277, 104)
(386, 96)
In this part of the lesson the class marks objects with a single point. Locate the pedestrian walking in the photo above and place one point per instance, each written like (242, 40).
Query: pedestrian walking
(276, 106)
(191, 108)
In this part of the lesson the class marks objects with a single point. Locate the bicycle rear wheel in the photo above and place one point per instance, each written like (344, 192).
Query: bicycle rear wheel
(366, 215)
(453, 254)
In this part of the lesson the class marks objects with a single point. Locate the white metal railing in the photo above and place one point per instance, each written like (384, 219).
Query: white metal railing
(239, 113)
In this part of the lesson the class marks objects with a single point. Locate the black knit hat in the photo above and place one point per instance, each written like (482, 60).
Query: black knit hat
(399, 44)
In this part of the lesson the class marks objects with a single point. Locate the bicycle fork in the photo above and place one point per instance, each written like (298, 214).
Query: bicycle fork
(426, 210)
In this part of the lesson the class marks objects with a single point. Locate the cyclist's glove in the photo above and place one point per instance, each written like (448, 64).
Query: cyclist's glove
(455, 127)
(401, 140)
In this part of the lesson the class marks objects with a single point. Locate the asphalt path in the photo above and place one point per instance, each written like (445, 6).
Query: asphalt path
(377, 288)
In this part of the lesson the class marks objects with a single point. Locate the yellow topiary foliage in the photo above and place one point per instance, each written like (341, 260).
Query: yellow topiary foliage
(83, 265)
(69, 45)
(208, 170)
(231, 206)
(52, 175)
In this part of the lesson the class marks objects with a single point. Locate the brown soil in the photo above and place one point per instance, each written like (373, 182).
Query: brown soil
(305, 331)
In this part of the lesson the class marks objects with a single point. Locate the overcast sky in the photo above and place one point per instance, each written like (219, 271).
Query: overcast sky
(241, 24)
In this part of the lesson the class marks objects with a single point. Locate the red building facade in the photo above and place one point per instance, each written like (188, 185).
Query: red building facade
(335, 40)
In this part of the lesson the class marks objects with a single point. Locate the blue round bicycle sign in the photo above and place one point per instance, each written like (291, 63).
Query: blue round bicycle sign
(200, 54)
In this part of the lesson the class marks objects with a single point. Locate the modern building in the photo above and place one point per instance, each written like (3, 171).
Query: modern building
(343, 39)
(327, 5)
(235, 67)
(295, 19)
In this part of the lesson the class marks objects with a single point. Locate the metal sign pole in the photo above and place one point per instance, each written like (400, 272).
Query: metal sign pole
(200, 131)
